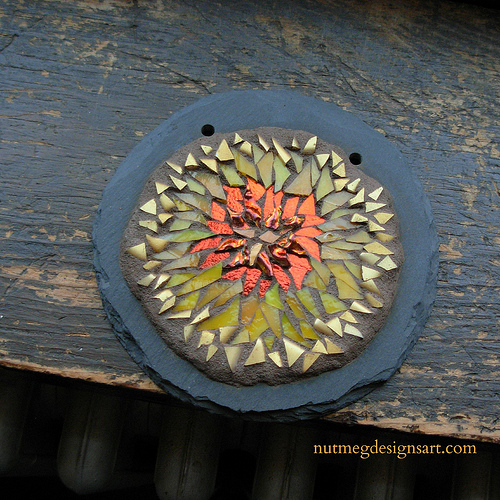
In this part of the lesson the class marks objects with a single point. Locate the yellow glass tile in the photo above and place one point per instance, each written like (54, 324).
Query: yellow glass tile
(338, 224)
(334, 200)
(167, 305)
(322, 270)
(370, 206)
(258, 325)
(349, 317)
(233, 353)
(166, 202)
(242, 338)
(175, 251)
(273, 318)
(371, 286)
(190, 260)
(359, 198)
(308, 331)
(282, 152)
(309, 359)
(249, 305)
(235, 289)
(336, 326)
(207, 149)
(289, 330)
(358, 218)
(304, 295)
(272, 297)
(160, 187)
(344, 245)
(244, 166)
(147, 280)
(276, 358)
(232, 177)
(246, 148)
(359, 237)
(354, 269)
(229, 317)
(352, 330)
(313, 280)
(224, 153)
(332, 348)
(191, 161)
(293, 351)
(281, 173)
(258, 354)
(373, 227)
(180, 315)
(341, 273)
(378, 249)
(151, 264)
(164, 295)
(368, 273)
(188, 330)
(212, 183)
(257, 153)
(215, 290)
(298, 161)
(373, 301)
(157, 244)
(353, 186)
(340, 169)
(162, 279)
(188, 302)
(202, 315)
(203, 279)
(333, 254)
(263, 143)
(331, 303)
(237, 139)
(197, 201)
(322, 327)
(192, 216)
(319, 347)
(310, 146)
(179, 225)
(149, 224)
(226, 333)
(195, 186)
(149, 207)
(384, 237)
(138, 251)
(325, 185)
(265, 166)
(179, 183)
(322, 159)
(254, 251)
(375, 194)
(315, 173)
(211, 163)
(301, 185)
(164, 217)
(383, 217)
(295, 144)
(211, 351)
(356, 306)
(294, 305)
(387, 263)
(369, 258)
(340, 184)
(269, 341)
(328, 237)
(206, 338)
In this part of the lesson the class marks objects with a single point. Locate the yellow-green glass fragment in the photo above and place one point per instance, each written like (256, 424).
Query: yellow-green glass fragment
(152, 225)
(304, 295)
(340, 184)
(207, 149)
(367, 273)
(334, 254)
(212, 183)
(210, 163)
(359, 237)
(340, 169)
(293, 351)
(281, 173)
(237, 139)
(233, 353)
(373, 301)
(232, 177)
(352, 330)
(244, 166)
(197, 201)
(149, 207)
(282, 152)
(359, 198)
(151, 264)
(164, 295)
(202, 315)
(369, 258)
(289, 330)
(167, 305)
(276, 359)
(235, 289)
(190, 235)
(332, 348)
(298, 161)
(190, 260)
(374, 227)
(322, 270)
(138, 251)
(147, 280)
(224, 152)
(257, 153)
(273, 318)
(308, 331)
(334, 200)
(229, 317)
(349, 317)
(191, 161)
(354, 269)
(358, 219)
(340, 272)
(263, 143)
(246, 148)
(309, 359)
(215, 290)
(331, 303)
(322, 327)
(257, 326)
(249, 305)
(164, 217)
(166, 202)
(203, 279)
(352, 187)
(356, 306)
(346, 291)
(371, 286)
(384, 237)
(226, 332)
(160, 187)
(212, 349)
(175, 167)
(269, 341)
(188, 302)
(272, 297)
(370, 206)
(374, 195)
(180, 315)
(242, 338)
(387, 263)
(315, 173)
(174, 251)
(156, 244)
(301, 185)
(319, 347)
(341, 212)
(188, 330)
(294, 305)
(325, 185)
(378, 249)
(322, 159)
(195, 186)
(344, 245)
(258, 354)
(336, 326)
(295, 144)
(328, 237)
(179, 183)
(179, 225)
(265, 166)
(192, 216)
(313, 280)
(338, 224)
(310, 146)
(383, 217)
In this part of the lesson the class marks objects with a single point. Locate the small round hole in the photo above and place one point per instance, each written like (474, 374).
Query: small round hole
(208, 129)
(355, 158)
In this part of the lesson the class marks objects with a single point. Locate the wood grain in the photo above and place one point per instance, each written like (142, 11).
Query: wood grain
(82, 82)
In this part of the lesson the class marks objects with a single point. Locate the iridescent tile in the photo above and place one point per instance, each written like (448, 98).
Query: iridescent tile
(309, 359)
(331, 304)
(294, 305)
(282, 152)
(152, 225)
(308, 331)
(265, 166)
(352, 330)
(310, 147)
(235, 289)
(195, 186)
(387, 263)
(188, 303)
(224, 152)
(258, 325)
(233, 354)
(244, 166)
(293, 351)
(304, 295)
(281, 173)
(149, 207)
(203, 279)
(147, 280)
(138, 251)
(301, 185)
(258, 354)
(272, 297)
(325, 185)
(229, 317)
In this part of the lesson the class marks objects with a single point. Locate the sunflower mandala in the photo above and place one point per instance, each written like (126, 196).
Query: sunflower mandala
(263, 255)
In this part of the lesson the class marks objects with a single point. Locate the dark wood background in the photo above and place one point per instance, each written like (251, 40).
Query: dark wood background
(81, 83)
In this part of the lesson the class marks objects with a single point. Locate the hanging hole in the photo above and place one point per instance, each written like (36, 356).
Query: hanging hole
(355, 158)
(208, 129)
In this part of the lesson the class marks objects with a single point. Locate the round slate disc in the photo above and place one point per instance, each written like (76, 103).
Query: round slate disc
(372, 154)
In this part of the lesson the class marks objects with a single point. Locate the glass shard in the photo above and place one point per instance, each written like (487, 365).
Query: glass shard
(298, 161)
(281, 173)
(207, 149)
(293, 351)
(304, 295)
(179, 183)
(273, 318)
(187, 303)
(315, 173)
(202, 315)
(160, 187)
(203, 279)
(336, 326)
(322, 327)
(387, 263)
(373, 227)
(371, 206)
(258, 325)
(151, 264)
(352, 187)
(368, 273)
(309, 359)
(319, 347)
(359, 237)
(237, 139)
(212, 349)
(235, 289)
(332, 348)
(340, 170)
(272, 297)
(331, 304)
(378, 249)
(313, 280)
(276, 358)
(301, 185)
(231, 175)
(138, 251)
(226, 333)
(335, 200)
(179, 278)
(167, 305)
(374, 195)
(325, 185)
(149, 224)
(233, 354)
(358, 219)
(356, 306)
(191, 161)
(156, 244)
(310, 146)
(215, 290)
(246, 148)
(359, 198)
(265, 166)
(212, 183)
(369, 258)
(322, 159)
(242, 338)
(349, 317)
(354, 269)
(224, 153)
(147, 280)
(308, 331)
(383, 217)
(352, 330)
(179, 225)
(196, 201)
(384, 237)
(373, 301)
(195, 186)
(245, 167)
(263, 143)
(229, 317)
(149, 207)
(210, 163)
(258, 354)
(282, 152)
(371, 286)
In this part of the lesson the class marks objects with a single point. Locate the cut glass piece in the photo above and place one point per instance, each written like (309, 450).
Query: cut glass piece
(308, 331)
(265, 167)
(359, 198)
(340, 184)
(294, 305)
(269, 341)
(304, 295)
(196, 201)
(229, 317)
(195, 186)
(203, 279)
(235, 289)
(166, 202)
(191, 161)
(387, 263)
(138, 251)
(322, 327)
(298, 161)
(151, 265)
(309, 359)
(384, 237)
(359, 237)
(336, 326)
(352, 330)
(319, 347)
(224, 153)
(272, 297)
(207, 149)
(293, 351)
(269, 237)
(244, 166)
(276, 359)
(237, 139)
(335, 158)
(226, 332)
(349, 317)
(242, 338)
(167, 305)
(179, 225)
(322, 270)
(378, 249)
(369, 258)
(368, 273)
(212, 349)
(248, 307)
(348, 292)
(356, 306)
(174, 251)
(331, 304)
(354, 269)
(325, 185)
(295, 144)
(322, 159)
(202, 315)
(189, 235)
(179, 183)
(334, 254)
(332, 348)
(232, 176)
(273, 318)
(383, 217)
(246, 148)
(164, 217)
(188, 330)
(152, 225)
(156, 244)
(340, 170)
(257, 153)
(164, 295)
(179, 278)
(338, 224)
(233, 353)
(254, 251)
(373, 301)
(149, 207)
(353, 186)
(315, 173)
(313, 280)
(210, 163)
(374, 195)
(247, 233)
(335, 200)
(289, 330)
(188, 302)
(160, 187)
(192, 216)
(258, 354)
(301, 185)
(373, 227)
(371, 286)
(344, 245)
(370, 206)
(358, 219)
(263, 143)
(281, 173)
(215, 290)
(181, 206)
(212, 183)
(282, 153)
(147, 280)
(258, 325)
(310, 146)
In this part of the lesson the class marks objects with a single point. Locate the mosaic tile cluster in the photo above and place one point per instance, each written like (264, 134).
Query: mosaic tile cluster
(263, 253)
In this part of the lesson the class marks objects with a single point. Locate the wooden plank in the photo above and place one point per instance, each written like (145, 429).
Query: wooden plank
(81, 83)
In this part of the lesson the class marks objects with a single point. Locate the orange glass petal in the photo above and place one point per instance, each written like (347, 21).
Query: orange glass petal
(218, 213)
(308, 207)
(235, 274)
(213, 259)
(219, 227)
(206, 244)
(281, 277)
(290, 207)
(253, 276)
